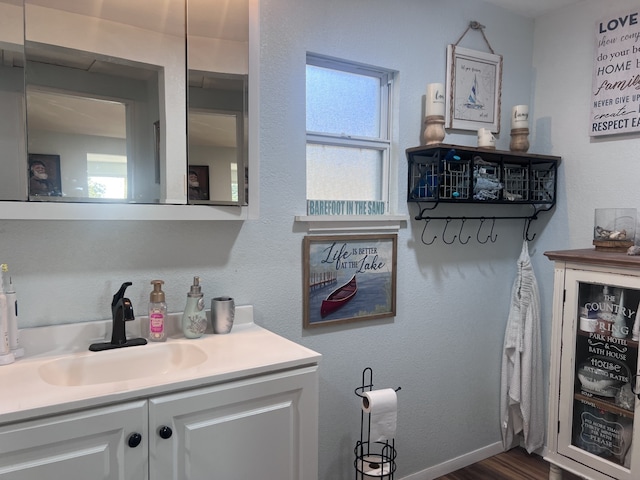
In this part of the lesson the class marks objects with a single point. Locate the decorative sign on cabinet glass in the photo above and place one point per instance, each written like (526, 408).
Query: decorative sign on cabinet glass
(606, 361)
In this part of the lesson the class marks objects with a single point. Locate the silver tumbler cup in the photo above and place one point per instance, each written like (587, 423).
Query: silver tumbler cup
(223, 311)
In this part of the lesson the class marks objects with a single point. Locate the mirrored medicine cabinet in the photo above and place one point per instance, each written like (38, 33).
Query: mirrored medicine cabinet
(108, 115)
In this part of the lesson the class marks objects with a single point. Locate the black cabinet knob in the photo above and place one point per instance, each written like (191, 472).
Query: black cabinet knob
(165, 432)
(134, 440)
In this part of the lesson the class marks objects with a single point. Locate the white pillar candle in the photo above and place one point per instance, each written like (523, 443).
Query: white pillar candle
(434, 101)
(520, 116)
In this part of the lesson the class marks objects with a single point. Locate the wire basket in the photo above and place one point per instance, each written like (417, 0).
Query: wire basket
(516, 183)
(543, 182)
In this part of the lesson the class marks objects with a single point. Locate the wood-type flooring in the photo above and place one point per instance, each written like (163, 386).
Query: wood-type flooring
(516, 464)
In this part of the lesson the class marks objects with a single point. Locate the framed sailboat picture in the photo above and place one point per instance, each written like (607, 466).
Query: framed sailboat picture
(474, 81)
(349, 278)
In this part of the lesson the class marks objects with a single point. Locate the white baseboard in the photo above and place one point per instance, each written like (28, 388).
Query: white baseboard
(457, 463)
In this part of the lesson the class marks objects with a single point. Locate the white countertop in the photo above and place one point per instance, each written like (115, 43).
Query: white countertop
(248, 350)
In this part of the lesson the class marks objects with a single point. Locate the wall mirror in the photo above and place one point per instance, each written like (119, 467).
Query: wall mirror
(103, 89)
(218, 67)
(95, 121)
(13, 177)
(95, 98)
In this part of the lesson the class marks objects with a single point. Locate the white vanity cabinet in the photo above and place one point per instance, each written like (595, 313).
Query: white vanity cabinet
(253, 429)
(262, 427)
(90, 444)
(594, 365)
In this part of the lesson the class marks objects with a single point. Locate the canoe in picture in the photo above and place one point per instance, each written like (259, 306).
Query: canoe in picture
(339, 297)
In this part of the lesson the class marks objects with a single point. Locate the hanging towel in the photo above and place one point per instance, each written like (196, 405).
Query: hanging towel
(521, 399)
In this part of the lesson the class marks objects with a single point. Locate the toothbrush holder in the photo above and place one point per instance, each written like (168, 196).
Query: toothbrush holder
(223, 311)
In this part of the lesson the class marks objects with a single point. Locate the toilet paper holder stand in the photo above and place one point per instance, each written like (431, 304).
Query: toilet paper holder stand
(373, 459)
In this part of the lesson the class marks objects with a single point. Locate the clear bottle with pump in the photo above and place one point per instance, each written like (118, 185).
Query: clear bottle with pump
(194, 318)
(157, 313)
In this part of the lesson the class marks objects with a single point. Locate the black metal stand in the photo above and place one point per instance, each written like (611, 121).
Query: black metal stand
(373, 459)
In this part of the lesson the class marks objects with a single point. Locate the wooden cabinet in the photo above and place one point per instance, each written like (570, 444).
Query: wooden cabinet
(594, 365)
(254, 428)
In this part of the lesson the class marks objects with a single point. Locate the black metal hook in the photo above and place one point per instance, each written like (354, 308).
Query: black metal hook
(482, 219)
(464, 219)
(527, 224)
(426, 223)
(490, 236)
(493, 224)
(448, 219)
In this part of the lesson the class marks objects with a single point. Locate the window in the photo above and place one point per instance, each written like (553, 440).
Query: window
(106, 176)
(348, 130)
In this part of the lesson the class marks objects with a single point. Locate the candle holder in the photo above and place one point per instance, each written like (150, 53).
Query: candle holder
(519, 140)
(433, 129)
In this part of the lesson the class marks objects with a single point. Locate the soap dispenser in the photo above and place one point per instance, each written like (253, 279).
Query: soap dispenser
(194, 318)
(157, 313)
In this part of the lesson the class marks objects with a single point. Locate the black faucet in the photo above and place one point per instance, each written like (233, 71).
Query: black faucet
(121, 312)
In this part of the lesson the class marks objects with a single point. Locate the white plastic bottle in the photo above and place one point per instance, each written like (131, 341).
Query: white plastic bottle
(157, 313)
(12, 317)
(6, 356)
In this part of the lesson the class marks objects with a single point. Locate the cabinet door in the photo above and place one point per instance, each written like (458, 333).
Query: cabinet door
(260, 428)
(599, 367)
(88, 445)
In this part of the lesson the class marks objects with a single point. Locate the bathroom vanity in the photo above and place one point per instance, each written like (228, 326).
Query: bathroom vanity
(594, 365)
(242, 405)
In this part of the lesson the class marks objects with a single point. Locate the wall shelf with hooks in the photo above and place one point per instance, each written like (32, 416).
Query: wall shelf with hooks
(451, 174)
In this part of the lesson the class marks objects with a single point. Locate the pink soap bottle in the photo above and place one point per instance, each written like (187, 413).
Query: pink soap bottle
(157, 313)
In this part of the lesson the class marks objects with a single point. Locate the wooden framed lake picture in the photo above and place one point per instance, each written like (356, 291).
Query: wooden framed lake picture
(349, 278)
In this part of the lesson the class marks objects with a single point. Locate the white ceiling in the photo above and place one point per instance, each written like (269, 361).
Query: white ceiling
(532, 8)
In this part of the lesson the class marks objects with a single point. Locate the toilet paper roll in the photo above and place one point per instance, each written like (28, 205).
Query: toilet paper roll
(382, 405)
(373, 466)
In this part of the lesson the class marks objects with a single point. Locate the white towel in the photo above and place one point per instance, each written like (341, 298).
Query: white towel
(521, 399)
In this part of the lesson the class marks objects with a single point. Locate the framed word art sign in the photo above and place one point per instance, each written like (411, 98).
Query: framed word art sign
(349, 278)
(615, 96)
(474, 82)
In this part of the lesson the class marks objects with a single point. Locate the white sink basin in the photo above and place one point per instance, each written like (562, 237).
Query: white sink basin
(121, 364)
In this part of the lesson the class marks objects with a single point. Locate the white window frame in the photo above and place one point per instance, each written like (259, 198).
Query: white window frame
(383, 142)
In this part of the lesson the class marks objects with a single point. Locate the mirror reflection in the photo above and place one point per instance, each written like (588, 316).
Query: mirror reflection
(89, 134)
(218, 63)
(102, 116)
(94, 99)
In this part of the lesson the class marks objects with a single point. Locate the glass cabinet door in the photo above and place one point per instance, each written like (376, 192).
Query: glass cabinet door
(598, 372)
